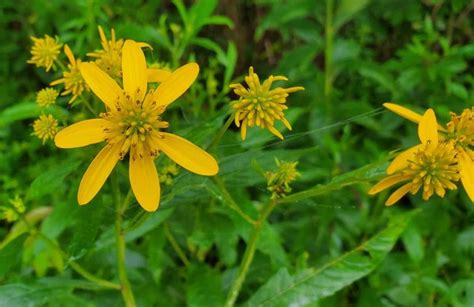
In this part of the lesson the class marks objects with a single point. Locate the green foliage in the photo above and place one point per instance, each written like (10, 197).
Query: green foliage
(350, 55)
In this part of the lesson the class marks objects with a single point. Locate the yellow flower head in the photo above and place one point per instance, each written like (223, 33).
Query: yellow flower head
(431, 166)
(45, 127)
(109, 58)
(278, 182)
(260, 106)
(46, 97)
(459, 131)
(44, 51)
(73, 81)
(132, 124)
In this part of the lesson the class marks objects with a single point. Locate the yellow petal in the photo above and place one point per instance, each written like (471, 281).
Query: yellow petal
(387, 183)
(145, 183)
(97, 172)
(134, 69)
(401, 160)
(403, 112)
(466, 170)
(101, 84)
(428, 128)
(69, 55)
(144, 45)
(399, 193)
(176, 84)
(157, 75)
(81, 134)
(188, 155)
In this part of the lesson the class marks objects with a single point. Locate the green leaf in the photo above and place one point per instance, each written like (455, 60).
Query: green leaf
(50, 180)
(19, 111)
(413, 242)
(204, 287)
(346, 10)
(9, 255)
(313, 284)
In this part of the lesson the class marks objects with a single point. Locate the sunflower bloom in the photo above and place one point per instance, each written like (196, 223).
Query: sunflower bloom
(109, 58)
(459, 131)
(431, 166)
(45, 127)
(44, 51)
(260, 106)
(73, 81)
(132, 125)
(46, 97)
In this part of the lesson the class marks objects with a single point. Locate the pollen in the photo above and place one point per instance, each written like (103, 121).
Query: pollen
(46, 97)
(259, 105)
(136, 125)
(45, 127)
(44, 51)
(109, 58)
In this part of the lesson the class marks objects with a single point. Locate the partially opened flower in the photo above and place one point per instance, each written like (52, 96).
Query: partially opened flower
(44, 51)
(72, 79)
(260, 106)
(431, 166)
(132, 124)
(460, 132)
(109, 58)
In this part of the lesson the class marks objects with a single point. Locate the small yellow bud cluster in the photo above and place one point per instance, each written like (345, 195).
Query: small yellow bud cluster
(10, 213)
(46, 97)
(167, 173)
(45, 127)
(278, 182)
(44, 51)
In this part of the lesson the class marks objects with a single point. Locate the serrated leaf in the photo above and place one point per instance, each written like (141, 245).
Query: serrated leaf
(313, 284)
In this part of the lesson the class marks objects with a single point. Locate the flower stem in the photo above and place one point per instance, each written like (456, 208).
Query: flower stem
(230, 201)
(120, 209)
(221, 133)
(175, 245)
(249, 254)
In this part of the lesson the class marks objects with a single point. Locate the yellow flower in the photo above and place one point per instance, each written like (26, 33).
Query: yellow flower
(132, 124)
(45, 127)
(459, 131)
(73, 81)
(44, 51)
(109, 58)
(260, 106)
(46, 97)
(432, 165)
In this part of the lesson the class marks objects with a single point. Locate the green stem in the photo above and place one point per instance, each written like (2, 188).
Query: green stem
(175, 245)
(120, 209)
(328, 53)
(221, 133)
(74, 265)
(249, 254)
(230, 201)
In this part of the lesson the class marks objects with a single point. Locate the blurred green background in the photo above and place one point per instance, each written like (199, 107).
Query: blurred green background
(350, 55)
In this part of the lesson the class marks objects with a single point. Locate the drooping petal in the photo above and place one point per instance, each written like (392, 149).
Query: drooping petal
(101, 84)
(176, 84)
(97, 172)
(134, 69)
(387, 183)
(398, 194)
(157, 75)
(188, 155)
(145, 183)
(428, 128)
(81, 134)
(403, 112)
(466, 170)
(402, 159)
(69, 55)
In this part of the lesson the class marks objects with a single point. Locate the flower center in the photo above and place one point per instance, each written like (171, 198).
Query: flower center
(136, 126)
(435, 169)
